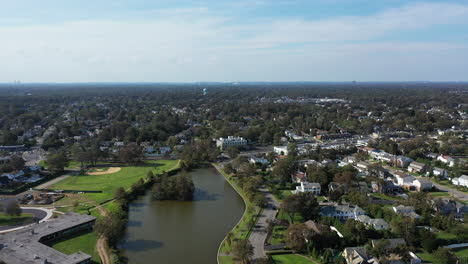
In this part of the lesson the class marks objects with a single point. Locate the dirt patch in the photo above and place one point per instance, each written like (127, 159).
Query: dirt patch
(108, 171)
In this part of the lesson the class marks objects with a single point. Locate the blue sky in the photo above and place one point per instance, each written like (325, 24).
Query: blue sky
(256, 40)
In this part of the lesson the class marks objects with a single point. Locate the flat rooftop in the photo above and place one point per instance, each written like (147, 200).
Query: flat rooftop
(23, 246)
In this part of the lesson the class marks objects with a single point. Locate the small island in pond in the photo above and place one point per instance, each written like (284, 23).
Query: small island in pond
(179, 187)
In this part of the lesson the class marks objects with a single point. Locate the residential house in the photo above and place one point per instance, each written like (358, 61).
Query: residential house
(13, 175)
(422, 185)
(431, 155)
(386, 186)
(281, 150)
(447, 206)
(377, 224)
(350, 160)
(362, 166)
(404, 179)
(406, 211)
(447, 160)
(417, 167)
(299, 177)
(402, 161)
(309, 163)
(256, 160)
(4, 160)
(342, 212)
(358, 255)
(461, 181)
(165, 150)
(440, 172)
(312, 187)
(391, 243)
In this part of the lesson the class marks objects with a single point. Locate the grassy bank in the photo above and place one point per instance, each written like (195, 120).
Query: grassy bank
(242, 229)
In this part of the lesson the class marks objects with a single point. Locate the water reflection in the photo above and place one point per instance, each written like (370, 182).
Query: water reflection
(173, 232)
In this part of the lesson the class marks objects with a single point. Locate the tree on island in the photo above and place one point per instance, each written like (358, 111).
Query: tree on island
(12, 208)
(179, 187)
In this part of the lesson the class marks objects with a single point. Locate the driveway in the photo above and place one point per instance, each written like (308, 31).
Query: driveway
(259, 233)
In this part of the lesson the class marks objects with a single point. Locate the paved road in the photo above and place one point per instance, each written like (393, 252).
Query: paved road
(259, 232)
(456, 193)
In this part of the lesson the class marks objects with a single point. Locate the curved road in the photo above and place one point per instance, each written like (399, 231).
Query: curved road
(40, 215)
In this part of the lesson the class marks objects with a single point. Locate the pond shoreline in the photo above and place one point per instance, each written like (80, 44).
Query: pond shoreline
(158, 226)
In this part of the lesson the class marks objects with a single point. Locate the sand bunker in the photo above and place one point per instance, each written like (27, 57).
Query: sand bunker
(108, 171)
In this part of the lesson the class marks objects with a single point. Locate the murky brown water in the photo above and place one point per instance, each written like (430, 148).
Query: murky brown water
(171, 232)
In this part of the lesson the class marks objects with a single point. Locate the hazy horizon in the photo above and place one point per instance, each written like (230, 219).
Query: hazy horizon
(233, 41)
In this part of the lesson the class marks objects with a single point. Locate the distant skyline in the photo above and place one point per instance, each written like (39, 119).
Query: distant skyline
(233, 40)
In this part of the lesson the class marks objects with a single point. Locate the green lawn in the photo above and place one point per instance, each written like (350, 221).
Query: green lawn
(109, 183)
(24, 218)
(278, 235)
(445, 235)
(83, 242)
(461, 253)
(386, 197)
(290, 259)
(427, 257)
(439, 194)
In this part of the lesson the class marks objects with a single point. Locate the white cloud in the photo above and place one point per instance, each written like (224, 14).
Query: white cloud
(195, 44)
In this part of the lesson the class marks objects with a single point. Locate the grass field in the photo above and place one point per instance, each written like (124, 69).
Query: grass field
(290, 258)
(461, 253)
(83, 242)
(24, 218)
(109, 183)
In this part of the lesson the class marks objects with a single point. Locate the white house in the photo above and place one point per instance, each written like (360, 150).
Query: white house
(362, 166)
(404, 179)
(447, 160)
(342, 212)
(281, 150)
(255, 160)
(422, 184)
(312, 187)
(461, 181)
(440, 172)
(230, 141)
